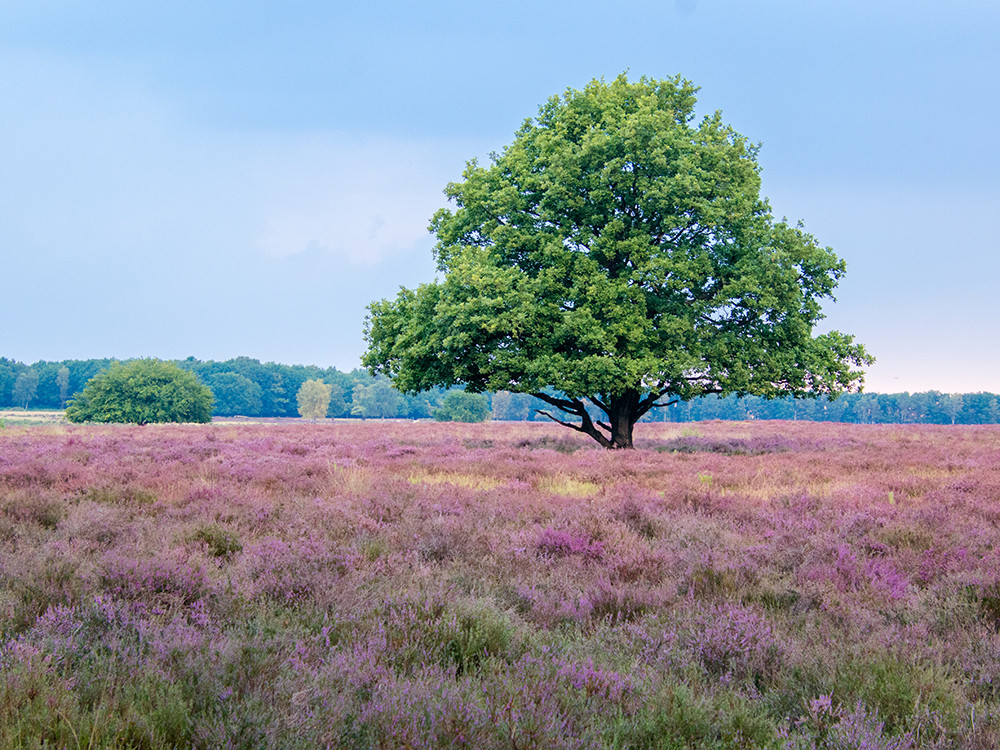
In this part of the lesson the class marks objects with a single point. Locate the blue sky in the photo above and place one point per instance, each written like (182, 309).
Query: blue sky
(223, 179)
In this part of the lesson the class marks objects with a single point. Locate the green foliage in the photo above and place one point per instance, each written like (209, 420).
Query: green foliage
(476, 631)
(142, 391)
(62, 383)
(25, 388)
(220, 542)
(677, 718)
(8, 374)
(377, 401)
(132, 496)
(339, 402)
(268, 390)
(235, 394)
(55, 582)
(42, 508)
(899, 688)
(40, 707)
(616, 253)
(462, 406)
(313, 399)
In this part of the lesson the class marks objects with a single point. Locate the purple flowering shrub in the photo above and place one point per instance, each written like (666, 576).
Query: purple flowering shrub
(560, 543)
(361, 584)
(737, 643)
(160, 580)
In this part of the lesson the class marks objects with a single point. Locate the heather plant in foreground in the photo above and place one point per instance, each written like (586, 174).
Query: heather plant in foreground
(352, 584)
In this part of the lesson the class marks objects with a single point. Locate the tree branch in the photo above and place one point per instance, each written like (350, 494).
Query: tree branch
(571, 425)
(570, 406)
(576, 407)
(654, 405)
(669, 403)
(586, 427)
(647, 403)
(600, 404)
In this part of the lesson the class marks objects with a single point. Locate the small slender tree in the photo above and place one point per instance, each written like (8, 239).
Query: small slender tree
(314, 399)
(25, 388)
(952, 406)
(62, 382)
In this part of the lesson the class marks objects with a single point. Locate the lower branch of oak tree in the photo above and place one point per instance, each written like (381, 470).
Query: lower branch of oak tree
(568, 405)
(586, 427)
(571, 425)
(576, 407)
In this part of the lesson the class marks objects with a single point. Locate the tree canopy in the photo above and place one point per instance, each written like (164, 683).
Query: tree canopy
(25, 388)
(235, 394)
(378, 400)
(142, 391)
(462, 406)
(619, 255)
(313, 399)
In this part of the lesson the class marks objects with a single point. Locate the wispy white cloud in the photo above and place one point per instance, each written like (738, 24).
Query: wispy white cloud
(361, 199)
(114, 167)
(165, 236)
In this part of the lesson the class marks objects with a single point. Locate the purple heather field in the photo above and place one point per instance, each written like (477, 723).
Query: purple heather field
(510, 585)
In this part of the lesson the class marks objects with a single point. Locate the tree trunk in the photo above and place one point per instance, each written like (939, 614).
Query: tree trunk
(621, 419)
(623, 410)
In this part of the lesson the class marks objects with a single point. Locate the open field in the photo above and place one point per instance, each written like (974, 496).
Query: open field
(33, 417)
(363, 584)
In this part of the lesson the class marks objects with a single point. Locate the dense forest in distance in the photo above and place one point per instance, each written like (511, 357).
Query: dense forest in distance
(248, 387)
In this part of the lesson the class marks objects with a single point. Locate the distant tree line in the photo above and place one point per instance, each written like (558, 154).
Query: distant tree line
(241, 387)
(248, 387)
(930, 407)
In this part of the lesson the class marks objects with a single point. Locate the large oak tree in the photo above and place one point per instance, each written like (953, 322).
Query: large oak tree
(615, 256)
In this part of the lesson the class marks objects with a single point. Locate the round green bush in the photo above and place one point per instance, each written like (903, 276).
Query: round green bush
(142, 391)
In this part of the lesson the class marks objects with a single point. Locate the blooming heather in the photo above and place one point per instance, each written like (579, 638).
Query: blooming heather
(357, 585)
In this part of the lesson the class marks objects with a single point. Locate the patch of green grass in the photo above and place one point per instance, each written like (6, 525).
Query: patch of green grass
(469, 481)
(677, 717)
(473, 631)
(566, 486)
(127, 495)
(221, 542)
